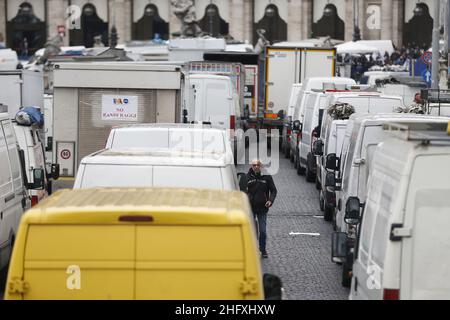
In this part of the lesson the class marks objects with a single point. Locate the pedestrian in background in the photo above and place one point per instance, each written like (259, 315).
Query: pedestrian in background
(262, 192)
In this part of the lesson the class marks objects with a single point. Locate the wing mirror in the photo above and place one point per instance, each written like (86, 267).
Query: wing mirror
(297, 126)
(353, 211)
(318, 148)
(38, 180)
(272, 287)
(332, 162)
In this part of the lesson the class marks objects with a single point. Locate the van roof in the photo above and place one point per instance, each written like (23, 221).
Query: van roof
(160, 157)
(208, 76)
(4, 115)
(164, 206)
(382, 118)
(166, 126)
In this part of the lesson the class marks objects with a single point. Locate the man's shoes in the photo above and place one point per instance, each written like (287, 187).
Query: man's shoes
(264, 254)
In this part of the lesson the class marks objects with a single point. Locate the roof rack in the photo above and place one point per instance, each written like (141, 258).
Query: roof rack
(425, 132)
(435, 96)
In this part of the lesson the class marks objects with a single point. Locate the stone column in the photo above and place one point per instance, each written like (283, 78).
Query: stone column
(387, 30)
(248, 20)
(3, 18)
(56, 16)
(296, 17)
(349, 25)
(120, 15)
(398, 22)
(237, 19)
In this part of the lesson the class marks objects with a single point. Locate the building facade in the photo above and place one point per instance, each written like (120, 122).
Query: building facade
(83, 22)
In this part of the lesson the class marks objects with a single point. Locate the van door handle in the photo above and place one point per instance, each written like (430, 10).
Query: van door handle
(10, 197)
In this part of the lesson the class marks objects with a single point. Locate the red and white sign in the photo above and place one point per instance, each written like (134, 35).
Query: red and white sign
(66, 154)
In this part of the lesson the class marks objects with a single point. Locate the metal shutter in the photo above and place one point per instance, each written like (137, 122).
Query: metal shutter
(93, 131)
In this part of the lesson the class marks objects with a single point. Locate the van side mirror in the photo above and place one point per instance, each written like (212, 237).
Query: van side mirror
(49, 146)
(185, 114)
(318, 148)
(339, 245)
(353, 211)
(330, 180)
(332, 162)
(39, 180)
(242, 178)
(297, 126)
(55, 171)
(272, 287)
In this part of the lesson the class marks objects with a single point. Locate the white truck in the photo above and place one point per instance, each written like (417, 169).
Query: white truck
(92, 98)
(286, 66)
(21, 88)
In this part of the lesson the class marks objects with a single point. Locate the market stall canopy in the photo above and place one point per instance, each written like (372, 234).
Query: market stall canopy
(355, 48)
(382, 45)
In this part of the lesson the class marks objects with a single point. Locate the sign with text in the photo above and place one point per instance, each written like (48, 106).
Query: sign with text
(120, 108)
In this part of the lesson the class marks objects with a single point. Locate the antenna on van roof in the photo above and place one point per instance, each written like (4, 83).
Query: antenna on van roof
(425, 132)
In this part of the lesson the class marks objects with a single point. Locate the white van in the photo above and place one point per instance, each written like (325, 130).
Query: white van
(365, 133)
(403, 242)
(212, 99)
(287, 125)
(34, 158)
(169, 136)
(310, 84)
(8, 59)
(13, 196)
(363, 102)
(157, 168)
(315, 108)
(331, 142)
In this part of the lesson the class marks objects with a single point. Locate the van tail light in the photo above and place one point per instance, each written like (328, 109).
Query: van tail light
(136, 219)
(232, 122)
(34, 201)
(391, 294)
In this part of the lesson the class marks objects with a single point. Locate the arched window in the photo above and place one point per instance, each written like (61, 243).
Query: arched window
(330, 24)
(418, 31)
(212, 23)
(274, 26)
(26, 33)
(150, 25)
(92, 28)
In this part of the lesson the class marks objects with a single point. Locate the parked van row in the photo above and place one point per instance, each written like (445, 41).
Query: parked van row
(400, 245)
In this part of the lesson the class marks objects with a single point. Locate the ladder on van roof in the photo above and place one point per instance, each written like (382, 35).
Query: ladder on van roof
(435, 98)
(425, 132)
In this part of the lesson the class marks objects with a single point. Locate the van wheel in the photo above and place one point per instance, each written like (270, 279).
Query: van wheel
(328, 216)
(310, 177)
(346, 278)
(321, 201)
(292, 157)
(287, 152)
(300, 170)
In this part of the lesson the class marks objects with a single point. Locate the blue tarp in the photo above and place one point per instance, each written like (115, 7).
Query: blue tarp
(30, 116)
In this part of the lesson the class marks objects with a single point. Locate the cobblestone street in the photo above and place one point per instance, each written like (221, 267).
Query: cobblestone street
(302, 261)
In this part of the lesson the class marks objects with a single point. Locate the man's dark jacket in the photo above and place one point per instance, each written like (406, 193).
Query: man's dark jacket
(260, 189)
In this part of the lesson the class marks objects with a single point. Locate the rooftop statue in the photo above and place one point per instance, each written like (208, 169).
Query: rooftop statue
(185, 11)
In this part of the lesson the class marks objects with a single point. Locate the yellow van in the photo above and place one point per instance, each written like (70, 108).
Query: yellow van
(154, 244)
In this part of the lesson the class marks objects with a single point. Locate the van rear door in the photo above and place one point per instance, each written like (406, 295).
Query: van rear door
(189, 262)
(425, 255)
(218, 107)
(66, 262)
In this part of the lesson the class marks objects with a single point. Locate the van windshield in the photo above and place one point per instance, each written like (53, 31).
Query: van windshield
(116, 176)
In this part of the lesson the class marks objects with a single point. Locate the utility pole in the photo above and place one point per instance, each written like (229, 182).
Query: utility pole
(436, 37)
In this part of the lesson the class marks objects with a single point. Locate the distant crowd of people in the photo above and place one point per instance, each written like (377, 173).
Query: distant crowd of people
(399, 60)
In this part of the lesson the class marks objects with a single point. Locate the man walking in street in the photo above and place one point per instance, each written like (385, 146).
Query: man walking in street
(262, 192)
